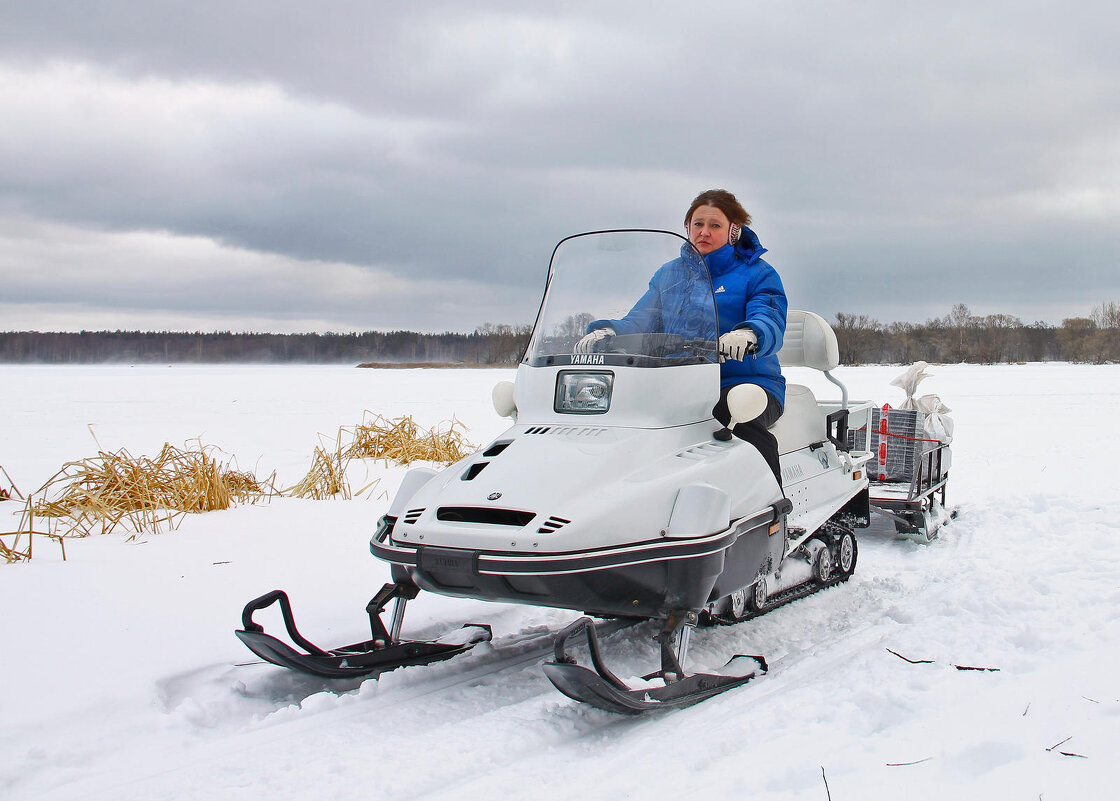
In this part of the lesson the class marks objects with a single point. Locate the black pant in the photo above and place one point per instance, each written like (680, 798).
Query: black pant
(755, 431)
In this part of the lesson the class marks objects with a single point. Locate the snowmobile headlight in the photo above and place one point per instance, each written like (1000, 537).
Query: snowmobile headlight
(583, 392)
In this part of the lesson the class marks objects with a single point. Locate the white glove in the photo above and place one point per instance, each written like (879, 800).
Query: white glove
(587, 344)
(738, 344)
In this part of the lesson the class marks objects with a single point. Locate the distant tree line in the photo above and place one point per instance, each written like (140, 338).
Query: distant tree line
(959, 336)
(487, 344)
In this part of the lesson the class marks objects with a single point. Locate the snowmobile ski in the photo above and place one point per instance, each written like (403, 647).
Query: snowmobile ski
(668, 688)
(384, 651)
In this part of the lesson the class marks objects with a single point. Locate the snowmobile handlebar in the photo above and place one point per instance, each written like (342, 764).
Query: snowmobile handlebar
(656, 344)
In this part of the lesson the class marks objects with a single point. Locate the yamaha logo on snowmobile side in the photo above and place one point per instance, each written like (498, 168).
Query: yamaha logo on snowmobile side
(588, 358)
(493, 496)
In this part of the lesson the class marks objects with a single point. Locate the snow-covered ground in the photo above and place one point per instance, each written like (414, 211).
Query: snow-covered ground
(120, 677)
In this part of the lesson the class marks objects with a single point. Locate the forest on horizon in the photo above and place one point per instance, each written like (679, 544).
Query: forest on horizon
(959, 336)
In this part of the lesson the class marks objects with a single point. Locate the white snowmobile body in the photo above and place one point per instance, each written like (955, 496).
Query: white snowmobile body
(610, 494)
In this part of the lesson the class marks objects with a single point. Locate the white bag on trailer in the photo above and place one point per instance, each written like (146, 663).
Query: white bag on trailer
(932, 412)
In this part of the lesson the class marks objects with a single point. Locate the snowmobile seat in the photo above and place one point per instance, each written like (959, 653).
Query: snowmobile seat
(809, 342)
(802, 423)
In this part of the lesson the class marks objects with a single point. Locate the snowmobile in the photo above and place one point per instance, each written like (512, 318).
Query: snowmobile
(616, 494)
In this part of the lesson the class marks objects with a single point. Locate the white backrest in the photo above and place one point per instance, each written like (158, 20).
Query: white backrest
(801, 424)
(809, 342)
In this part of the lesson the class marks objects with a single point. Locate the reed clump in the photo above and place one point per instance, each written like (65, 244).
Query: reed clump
(326, 478)
(117, 490)
(400, 440)
(8, 488)
(20, 545)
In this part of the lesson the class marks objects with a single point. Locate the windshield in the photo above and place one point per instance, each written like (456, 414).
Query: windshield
(635, 298)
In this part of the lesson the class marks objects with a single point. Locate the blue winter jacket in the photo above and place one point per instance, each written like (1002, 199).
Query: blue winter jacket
(748, 293)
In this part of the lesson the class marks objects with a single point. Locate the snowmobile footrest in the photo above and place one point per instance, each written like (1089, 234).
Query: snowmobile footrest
(603, 689)
(371, 658)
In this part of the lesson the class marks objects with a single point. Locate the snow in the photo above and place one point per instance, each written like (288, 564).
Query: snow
(121, 677)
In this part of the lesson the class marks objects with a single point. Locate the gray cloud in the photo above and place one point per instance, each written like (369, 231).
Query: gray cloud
(897, 159)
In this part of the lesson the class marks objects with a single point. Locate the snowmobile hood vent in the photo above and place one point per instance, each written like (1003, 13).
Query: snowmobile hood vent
(473, 471)
(552, 525)
(485, 515)
(700, 452)
(566, 431)
(412, 515)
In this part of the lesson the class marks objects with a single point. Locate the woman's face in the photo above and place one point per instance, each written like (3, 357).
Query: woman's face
(708, 229)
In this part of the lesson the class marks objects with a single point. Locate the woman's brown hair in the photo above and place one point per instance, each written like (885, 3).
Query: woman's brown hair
(722, 200)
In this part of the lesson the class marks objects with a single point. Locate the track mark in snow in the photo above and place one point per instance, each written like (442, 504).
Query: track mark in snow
(470, 716)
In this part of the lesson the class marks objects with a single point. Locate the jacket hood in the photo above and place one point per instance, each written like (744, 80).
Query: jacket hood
(748, 246)
(747, 249)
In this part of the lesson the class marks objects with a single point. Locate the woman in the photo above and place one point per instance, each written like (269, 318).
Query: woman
(751, 306)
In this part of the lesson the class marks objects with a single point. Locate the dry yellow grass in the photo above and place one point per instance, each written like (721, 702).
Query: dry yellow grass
(113, 491)
(400, 440)
(21, 542)
(325, 479)
(8, 487)
(140, 494)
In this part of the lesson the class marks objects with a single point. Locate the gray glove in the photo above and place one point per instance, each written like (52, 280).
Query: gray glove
(587, 344)
(738, 344)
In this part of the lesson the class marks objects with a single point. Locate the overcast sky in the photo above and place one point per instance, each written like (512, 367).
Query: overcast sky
(341, 166)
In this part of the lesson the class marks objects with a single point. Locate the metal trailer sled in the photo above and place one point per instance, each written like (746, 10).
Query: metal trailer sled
(908, 472)
(918, 509)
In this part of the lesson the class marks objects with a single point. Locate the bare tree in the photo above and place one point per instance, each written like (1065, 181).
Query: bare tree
(1107, 318)
(961, 322)
(1076, 337)
(902, 339)
(574, 325)
(1107, 315)
(855, 334)
(997, 338)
